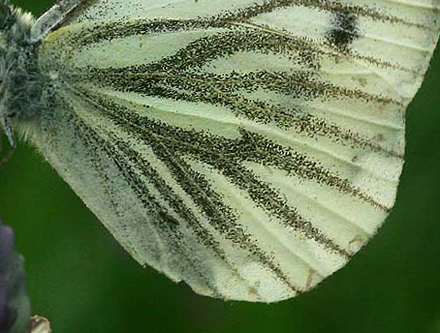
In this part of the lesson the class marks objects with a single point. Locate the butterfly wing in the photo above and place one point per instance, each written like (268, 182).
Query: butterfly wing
(249, 148)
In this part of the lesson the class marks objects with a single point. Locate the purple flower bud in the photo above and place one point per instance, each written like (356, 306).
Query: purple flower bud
(14, 302)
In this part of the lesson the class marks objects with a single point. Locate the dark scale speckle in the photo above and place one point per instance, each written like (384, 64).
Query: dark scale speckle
(164, 224)
(212, 150)
(224, 90)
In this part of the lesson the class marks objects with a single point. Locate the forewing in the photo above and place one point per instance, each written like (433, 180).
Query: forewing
(249, 148)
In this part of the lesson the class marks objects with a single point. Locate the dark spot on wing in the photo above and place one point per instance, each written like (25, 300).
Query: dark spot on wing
(344, 30)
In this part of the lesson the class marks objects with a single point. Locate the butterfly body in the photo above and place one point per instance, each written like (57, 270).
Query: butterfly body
(249, 148)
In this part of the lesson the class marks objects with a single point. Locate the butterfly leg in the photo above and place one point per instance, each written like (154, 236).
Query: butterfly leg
(8, 131)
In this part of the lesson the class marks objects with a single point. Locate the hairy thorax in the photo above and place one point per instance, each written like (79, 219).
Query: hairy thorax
(20, 81)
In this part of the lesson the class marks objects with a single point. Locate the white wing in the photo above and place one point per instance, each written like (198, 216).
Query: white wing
(249, 148)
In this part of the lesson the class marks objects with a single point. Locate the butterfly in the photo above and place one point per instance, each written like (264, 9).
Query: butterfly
(248, 148)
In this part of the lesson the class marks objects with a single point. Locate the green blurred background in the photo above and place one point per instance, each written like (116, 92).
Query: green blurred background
(84, 282)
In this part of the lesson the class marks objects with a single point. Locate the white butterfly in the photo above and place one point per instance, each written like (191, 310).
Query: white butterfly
(247, 147)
